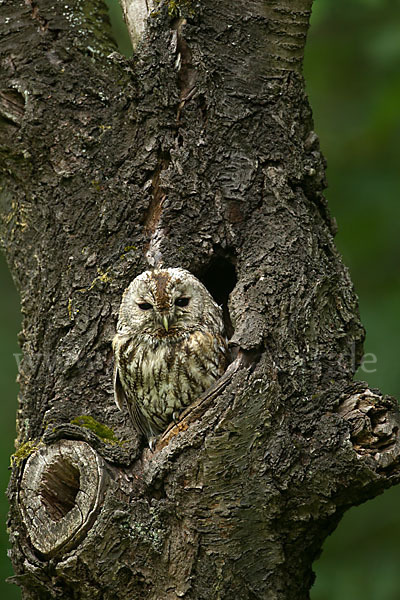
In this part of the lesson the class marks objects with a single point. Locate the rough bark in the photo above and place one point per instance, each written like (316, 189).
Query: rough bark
(199, 152)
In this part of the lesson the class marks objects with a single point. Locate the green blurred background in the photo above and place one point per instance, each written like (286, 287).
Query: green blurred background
(352, 68)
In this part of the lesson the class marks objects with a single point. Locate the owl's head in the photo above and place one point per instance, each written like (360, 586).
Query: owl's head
(167, 301)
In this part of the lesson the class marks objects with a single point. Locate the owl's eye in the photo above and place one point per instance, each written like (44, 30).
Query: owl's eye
(144, 305)
(182, 302)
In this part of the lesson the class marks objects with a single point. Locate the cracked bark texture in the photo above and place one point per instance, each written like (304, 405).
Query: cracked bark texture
(199, 152)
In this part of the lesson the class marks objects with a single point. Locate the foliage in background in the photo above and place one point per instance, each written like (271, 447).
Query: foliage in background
(352, 69)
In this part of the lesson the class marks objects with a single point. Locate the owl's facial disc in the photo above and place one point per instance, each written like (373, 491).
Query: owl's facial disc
(169, 302)
(173, 315)
(166, 315)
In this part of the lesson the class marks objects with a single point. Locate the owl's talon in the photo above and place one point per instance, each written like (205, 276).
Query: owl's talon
(175, 417)
(152, 443)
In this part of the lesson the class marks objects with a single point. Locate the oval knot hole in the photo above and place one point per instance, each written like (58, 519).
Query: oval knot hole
(58, 488)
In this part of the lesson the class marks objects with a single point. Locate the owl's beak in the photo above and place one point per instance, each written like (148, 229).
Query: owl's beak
(165, 322)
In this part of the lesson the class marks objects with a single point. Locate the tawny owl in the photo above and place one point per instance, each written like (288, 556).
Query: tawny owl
(169, 347)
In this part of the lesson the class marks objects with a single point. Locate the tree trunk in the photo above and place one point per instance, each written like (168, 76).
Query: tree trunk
(199, 152)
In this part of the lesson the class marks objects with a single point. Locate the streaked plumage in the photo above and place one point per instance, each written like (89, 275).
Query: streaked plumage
(169, 347)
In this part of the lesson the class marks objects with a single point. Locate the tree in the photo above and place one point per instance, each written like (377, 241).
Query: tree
(198, 153)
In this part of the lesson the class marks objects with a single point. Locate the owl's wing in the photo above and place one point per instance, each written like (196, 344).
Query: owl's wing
(119, 394)
(139, 421)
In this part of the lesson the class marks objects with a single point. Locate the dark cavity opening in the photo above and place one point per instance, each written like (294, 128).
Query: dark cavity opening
(59, 487)
(219, 277)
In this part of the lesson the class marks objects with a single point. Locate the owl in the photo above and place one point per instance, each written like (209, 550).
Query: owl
(169, 347)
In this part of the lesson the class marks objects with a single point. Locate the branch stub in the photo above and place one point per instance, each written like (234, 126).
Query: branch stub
(60, 495)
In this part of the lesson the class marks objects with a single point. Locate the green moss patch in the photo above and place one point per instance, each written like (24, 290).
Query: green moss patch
(23, 452)
(102, 431)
